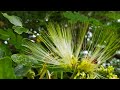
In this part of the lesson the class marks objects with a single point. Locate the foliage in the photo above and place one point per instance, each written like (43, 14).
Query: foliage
(13, 19)
(108, 72)
(6, 70)
(72, 46)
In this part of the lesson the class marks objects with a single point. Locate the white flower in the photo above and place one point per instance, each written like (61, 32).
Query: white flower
(46, 19)
(5, 42)
(32, 40)
(33, 36)
(38, 34)
(34, 31)
(85, 52)
(118, 20)
(66, 25)
(88, 39)
(89, 34)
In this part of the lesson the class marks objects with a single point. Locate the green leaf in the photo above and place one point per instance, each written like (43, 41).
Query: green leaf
(21, 70)
(18, 44)
(12, 36)
(95, 21)
(24, 59)
(6, 69)
(75, 17)
(20, 30)
(113, 15)
(15, 40)
(8, 33)
(4, 50)
(13, 19)
(3, 34)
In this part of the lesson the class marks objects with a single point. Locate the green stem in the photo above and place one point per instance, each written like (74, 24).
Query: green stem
(43, 73)
(56, 75)
(61, 74)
